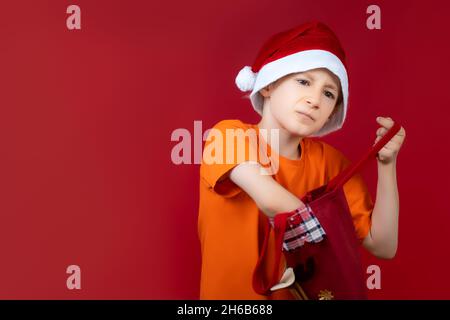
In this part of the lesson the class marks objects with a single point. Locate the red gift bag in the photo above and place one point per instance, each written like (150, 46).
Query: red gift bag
(331, 268)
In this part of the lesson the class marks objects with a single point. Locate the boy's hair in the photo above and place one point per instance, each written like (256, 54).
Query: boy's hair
(338, 104)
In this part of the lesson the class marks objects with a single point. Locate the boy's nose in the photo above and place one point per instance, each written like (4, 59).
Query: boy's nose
(313, 98)
(313, 102)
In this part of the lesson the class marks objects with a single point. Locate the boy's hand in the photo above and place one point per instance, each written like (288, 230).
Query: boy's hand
(389, 152)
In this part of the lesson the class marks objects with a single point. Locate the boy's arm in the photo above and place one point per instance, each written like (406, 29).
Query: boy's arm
(270, 197)
(383, 236)
(382, 239)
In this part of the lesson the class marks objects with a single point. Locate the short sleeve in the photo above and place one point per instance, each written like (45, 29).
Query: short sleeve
(228, 143)
(356, 192)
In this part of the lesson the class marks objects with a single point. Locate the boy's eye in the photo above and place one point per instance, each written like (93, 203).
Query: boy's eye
(306, 83)
(329, 94)
(303, 82)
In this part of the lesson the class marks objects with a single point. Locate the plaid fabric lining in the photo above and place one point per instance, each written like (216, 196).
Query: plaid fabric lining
(303, 226)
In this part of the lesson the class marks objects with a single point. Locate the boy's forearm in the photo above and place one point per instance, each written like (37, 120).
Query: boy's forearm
(270, 197)
(383, 237)
(281, 200)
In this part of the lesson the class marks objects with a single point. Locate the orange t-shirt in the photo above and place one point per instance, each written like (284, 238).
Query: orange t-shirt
(228, 221)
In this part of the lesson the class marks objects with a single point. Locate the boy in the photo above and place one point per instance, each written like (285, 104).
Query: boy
(299, 87)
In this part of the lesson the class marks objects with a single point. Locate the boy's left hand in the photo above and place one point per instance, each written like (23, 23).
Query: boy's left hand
(388, 153)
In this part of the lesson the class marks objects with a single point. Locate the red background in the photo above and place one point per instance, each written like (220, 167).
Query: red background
(86, 118)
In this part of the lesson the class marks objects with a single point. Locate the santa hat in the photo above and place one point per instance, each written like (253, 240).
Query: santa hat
(309, 46)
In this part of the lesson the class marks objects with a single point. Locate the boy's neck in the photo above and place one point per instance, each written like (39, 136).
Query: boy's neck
(288, 144)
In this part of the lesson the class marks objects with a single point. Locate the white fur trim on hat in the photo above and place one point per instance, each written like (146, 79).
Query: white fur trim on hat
(245, 79)
(300, 62)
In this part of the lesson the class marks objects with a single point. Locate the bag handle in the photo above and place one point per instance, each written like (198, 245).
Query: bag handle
(280, 219)
(347, 173)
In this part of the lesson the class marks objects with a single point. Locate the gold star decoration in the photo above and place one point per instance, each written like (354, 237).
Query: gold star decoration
(325, 295)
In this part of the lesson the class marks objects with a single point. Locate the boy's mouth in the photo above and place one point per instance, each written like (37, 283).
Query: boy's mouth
(305, 115)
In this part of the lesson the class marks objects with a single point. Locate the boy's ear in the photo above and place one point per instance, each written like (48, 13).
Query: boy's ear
(265, 92)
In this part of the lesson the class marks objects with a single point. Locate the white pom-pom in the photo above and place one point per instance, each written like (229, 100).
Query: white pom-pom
(245, 79)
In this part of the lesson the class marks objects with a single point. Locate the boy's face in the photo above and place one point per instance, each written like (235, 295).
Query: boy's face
(302, 102)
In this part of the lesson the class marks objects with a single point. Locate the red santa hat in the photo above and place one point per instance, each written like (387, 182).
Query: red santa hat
(309, 46)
